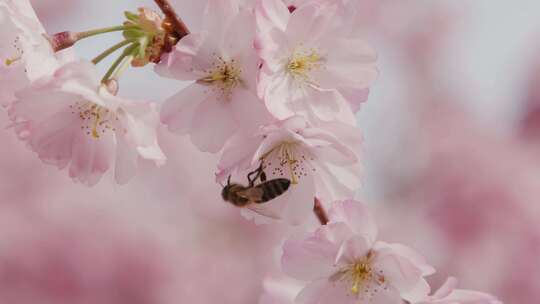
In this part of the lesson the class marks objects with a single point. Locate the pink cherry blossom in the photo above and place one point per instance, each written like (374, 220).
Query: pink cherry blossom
(70, 119)
(223, 63)
(447, 294)
(25, 53)
(319, 161)
(308, 55)
(344, 263)
(279, 290)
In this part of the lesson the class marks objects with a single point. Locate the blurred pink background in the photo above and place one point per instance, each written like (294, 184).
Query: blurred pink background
(451, 156)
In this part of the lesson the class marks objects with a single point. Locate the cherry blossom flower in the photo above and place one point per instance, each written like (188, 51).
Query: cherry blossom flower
(319, 161)
(447, 294)
(344, 263)
(25, 53)
(70, 119)
(223, 63)
(307, 55)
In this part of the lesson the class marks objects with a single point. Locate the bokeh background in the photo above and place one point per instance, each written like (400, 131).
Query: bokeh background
(451, 168)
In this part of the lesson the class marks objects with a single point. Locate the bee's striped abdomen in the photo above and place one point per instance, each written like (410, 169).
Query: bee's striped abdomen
(273, 188)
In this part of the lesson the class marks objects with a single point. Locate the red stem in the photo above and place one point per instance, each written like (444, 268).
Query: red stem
(178, 25)
(320, 212)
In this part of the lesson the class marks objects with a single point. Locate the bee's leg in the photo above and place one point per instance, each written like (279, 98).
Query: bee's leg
(263, 176)
(251, 181)
(257, 173)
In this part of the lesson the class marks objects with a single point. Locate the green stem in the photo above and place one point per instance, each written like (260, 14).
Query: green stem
(122, 67)
(111, 50)
(82, 35)
(127, 52)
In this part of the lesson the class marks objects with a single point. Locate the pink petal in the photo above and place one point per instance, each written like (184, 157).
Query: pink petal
(335, 182)
(326, 292)
(178, 111)
(446, 288)
(189, 59)
(336, 233)
(271, 14)
(329, 106)
(91, 158)
(278, 92)
(355, 97)
(413, 256)
(126, 163)
(237, 155)
(357, 216)
(352, 250)
(309, 259)
(53, 140)
(248, 110)
(400, 272)
(240, 46)
(217, 15)
(350, 64)
(212, 125)
(309, 22)
(386, 296)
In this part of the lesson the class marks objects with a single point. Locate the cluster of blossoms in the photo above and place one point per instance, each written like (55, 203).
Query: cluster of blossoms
(274, 88)
(342, 262)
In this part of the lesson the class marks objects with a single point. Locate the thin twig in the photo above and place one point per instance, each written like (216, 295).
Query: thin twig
(320, 212)
(178, 25)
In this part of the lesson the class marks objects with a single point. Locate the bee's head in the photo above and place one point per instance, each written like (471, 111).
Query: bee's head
(226, 190)
(225, 193)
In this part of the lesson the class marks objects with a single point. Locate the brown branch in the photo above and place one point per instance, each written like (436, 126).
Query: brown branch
(177, 24)
(320, 212)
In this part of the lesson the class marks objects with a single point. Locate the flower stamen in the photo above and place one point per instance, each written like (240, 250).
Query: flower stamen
(97, 120)
(18, 50)
(225, 76)
(302, 63)
(362, 276)
(288, 158)
(360, 272)
(10, 61)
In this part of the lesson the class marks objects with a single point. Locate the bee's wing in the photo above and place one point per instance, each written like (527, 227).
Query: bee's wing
(257, 208)
(254, 194)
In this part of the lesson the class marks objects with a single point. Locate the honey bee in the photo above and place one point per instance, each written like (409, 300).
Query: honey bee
(242, 196)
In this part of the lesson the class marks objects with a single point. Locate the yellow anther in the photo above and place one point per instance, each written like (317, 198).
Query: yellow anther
(302, 63)
(97, 115)
(11, 61)
(360, 272)
(225, 77)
